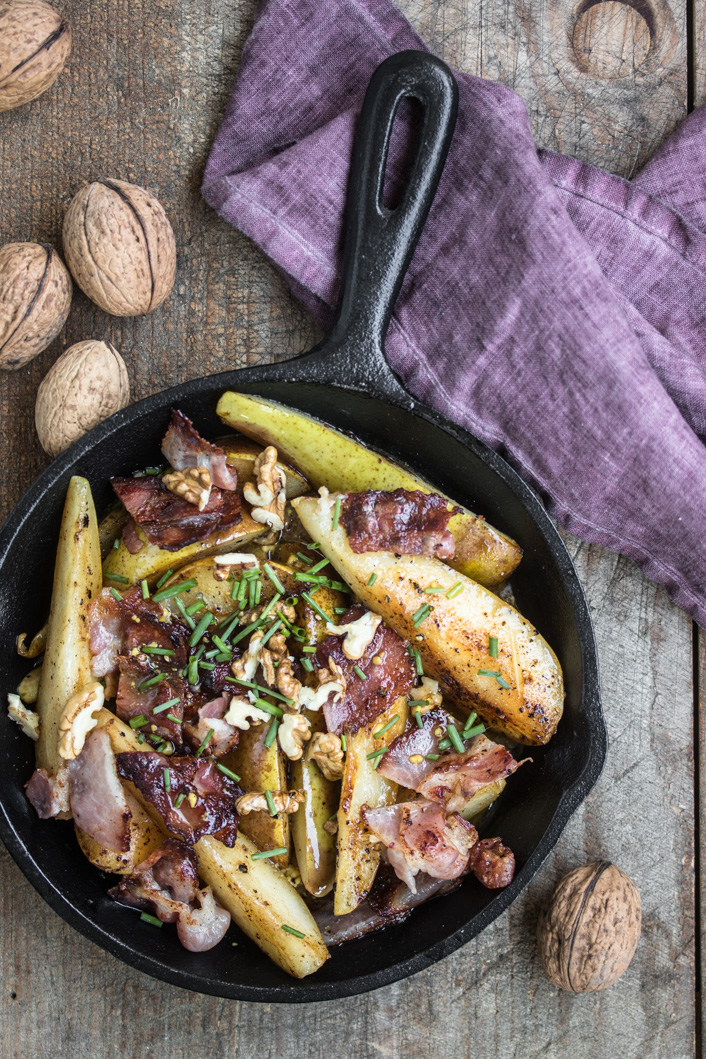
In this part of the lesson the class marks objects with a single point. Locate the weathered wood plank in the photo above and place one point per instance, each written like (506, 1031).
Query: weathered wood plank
(141, 100)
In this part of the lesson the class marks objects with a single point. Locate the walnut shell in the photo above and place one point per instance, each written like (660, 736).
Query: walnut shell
(87, 384)
(35, 298)
(589, 931)
(35, 42)
(119, 246)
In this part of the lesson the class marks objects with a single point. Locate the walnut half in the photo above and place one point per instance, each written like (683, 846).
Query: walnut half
(78, 719)
(268, 498)
(193, 484)
(293, 732)
(284, 802)
(325, 750)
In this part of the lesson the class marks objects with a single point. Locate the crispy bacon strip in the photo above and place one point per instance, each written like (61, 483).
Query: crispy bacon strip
(169, 521)
(404, 521)
(224, 737)
(184, 448)
(213, 794)
(415, 742)
(365, 699)
(455, 778)
(420, 837)
(49, 795)
(98, 803)
(117, 627)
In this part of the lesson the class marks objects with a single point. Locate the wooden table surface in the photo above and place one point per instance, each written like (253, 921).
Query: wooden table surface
(141, 99)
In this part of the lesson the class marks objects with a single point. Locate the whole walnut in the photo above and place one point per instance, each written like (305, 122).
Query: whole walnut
(35, 298)
(87, 384)
(589, 931)
(35, 42)
(119, 246)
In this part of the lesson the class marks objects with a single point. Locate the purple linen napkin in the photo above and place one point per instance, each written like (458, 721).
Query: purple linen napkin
(556, 311)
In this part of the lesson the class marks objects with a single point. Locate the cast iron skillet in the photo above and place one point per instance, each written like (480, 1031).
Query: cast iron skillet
(347, 382)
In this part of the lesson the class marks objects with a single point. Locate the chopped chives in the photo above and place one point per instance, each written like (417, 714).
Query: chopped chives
(201, 626)
(270, 632)
(336, 513)
(376, 753)
(372, 579)
(273, 578)
(223, 656)
(151, 919)
(470, 720)
(244, 632)
(259, 687)
(234, 590)
(494, 673)
(116, 543)
(261, 854)
(306, 559)
(340, 610)
(359, 672)
(268, 707)
(119, 578)
(339, 585)
(171, 717)
(195, 607)
(456, 741)
(141, 737)
(164, 578)
(151, 681)
(314, 546)
(251, 593)
(273, 603)
(271, 733)
(174, 590)
(167, 780)
(138, 722)
(193, 670)
(469, 733)
(434, 588)
(145, 589)
(180, 799)
(309, 578)
(416, 713)
(307, 664)
(199, 654)
(319, 566)
(220, 644)
(344, 746)
(421, 702)
(227, 772)
(388, 726)
(432, 757)
(309, 649)
(454, 590)
(502, 682)
(231, 624)
(187, 617)
(206, 741)
(444, 744)
(116, 595)
(206, 665)
(270, 803)
(148, 649)
(291, 930)
(315, 605)
(493, 647)
(258, 592)
(421, 615)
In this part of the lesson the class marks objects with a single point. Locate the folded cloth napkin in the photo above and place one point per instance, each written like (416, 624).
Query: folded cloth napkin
(554, 310)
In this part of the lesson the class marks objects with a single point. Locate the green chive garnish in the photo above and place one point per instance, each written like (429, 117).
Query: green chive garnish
(234, 590)
(306, 559)
(116, 595)
(273, 577)
(319, 566)
(270, 853)
(195, 607)
(151, 919)
(141, 737)
(201, 626)
(227, 772)
(432, 757)
(167, 780)
(164, 578)
(206, 741)
(469, 733)
(220, 644)
(417, 658)
(119, 578)
(456, 741)
(270, 803)
(138, 722)
(444, 744)
(376, 753)
(271, 631)
(259, 687)
(246, 631)
(372, 579)
(291, 930)
(359, 672)
(417, 714)
(315, 605)
(493, 647)
(344, 747)
(469, 720)
(336, 512)
(435, 588)
(494, 673)
(151, 681)
(454, 590)
(340, 610)
(421, 615)
(309, 649)
(268, 707)
(271, 733)
(180, 799)
(193, 670)
(116, 543)
(314, 546)
(388, 726)
(148, 649)
(174, 590)
(207, 665)
(145, 589)
(307, 664)
(187, 617)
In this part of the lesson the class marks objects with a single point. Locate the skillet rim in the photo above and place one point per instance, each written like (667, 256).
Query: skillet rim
(306, 990)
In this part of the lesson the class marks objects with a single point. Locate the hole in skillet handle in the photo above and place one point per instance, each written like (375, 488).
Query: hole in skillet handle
(379, 242)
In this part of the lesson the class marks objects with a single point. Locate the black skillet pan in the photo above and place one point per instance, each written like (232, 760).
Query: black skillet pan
(347, 382)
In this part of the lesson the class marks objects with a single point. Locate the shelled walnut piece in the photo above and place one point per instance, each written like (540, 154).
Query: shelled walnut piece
(192, 484)
(283, 802)
(35, 42)
(268, 498)
(588, 932)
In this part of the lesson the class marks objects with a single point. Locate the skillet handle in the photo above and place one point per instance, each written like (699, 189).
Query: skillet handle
(379, 242)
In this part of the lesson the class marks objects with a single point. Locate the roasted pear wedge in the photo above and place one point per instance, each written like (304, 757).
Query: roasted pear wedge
(262, 768)
(77, 580)
(520, 692)
(328, 457)
(145, 838)
(314, 846)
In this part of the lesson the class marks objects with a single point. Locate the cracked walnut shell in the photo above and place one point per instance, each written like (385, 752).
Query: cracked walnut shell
(119, 246)
(35, 298)
(87, 384)
(589, 931)
(35, 42)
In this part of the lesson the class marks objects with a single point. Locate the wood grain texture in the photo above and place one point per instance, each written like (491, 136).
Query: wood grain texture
(140, 100)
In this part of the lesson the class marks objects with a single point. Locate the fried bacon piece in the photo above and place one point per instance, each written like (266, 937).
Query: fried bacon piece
(169, 521)
(412, 743)
(223, 737)
(98, 803)
(404, 521)
(49, 795)
(492, 863)
(184, 448)
(390, 675)
(166, 885)
(116, 627)
(455, 778)
(420, 837)
(212, 793)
